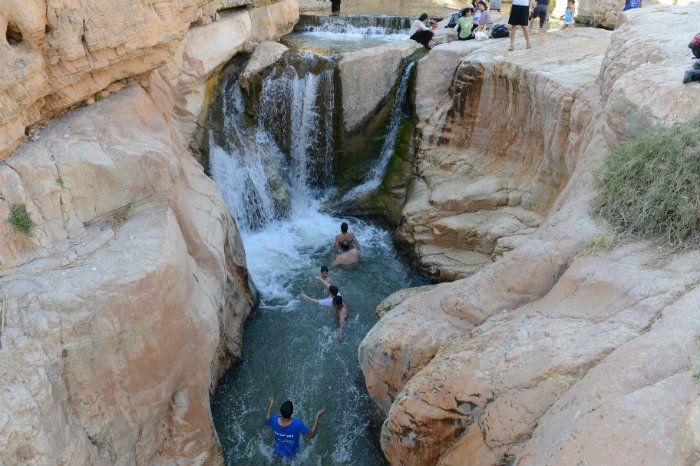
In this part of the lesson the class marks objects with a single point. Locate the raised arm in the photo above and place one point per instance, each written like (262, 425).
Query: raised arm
(322, 281)
(309, 299)
(269, 407)
(312, 431)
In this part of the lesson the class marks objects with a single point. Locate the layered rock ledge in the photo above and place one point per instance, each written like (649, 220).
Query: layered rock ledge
(59, 55)
(543, 356)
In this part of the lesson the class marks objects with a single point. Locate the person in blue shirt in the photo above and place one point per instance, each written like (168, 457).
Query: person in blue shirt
(287, 429)
(625, 5)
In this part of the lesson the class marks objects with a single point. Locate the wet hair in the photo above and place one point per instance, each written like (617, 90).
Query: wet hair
(333, 289)
(423, 17)
(287, 409)
(324, 268)
(344, 245)
(344, 227)
(338, 300)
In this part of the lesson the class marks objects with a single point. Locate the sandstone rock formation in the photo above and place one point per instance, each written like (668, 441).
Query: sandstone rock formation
(126, 303)
(543, 357)
(468, 207)
(115, 332)
(58, 55)
(367, 76)
(600, 13)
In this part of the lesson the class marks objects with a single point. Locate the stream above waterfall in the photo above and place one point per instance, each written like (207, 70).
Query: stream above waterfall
(274, 162)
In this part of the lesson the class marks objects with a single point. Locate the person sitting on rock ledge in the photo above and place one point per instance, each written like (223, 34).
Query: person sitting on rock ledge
(347, 256)
(420, 32)
(287, 429)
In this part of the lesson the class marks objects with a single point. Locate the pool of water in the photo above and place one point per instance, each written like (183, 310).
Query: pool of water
(290, 349)
(331, 43)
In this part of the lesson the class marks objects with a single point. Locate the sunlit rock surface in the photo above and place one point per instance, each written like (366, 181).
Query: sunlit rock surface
(63, 53)
(543, 357)
(127, 302)
(367, 77)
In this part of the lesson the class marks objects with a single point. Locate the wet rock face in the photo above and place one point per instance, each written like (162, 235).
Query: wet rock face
(126, 304)
(542, 357)
(496, 146)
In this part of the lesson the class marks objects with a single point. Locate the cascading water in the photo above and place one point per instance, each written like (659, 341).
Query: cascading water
(327, 35)
(400, 111)
(354, 24)
(271, 168)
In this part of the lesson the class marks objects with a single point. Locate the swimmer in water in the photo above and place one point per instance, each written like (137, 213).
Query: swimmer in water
(343, 314)
(323, 278)
(328, 302)
(345, 236)
(347, 256)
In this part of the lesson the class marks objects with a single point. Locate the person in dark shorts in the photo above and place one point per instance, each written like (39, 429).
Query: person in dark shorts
(287, 429)
(540, 11)
(420, 32)
(519, 16)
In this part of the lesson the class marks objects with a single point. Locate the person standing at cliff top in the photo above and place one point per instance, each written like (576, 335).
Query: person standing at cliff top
(287, 429)
(625, 5)
(345, 236)
(541, 12)
(335, 6)
(519, 13)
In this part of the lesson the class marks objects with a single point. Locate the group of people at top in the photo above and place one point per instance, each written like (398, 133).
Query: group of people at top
(476, 18)
(347, 255)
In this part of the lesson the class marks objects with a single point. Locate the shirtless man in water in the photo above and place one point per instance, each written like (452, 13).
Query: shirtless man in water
(345, 236)
(347, 256)
(343, 314)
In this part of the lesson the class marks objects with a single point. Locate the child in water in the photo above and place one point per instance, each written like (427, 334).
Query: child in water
(569, 15)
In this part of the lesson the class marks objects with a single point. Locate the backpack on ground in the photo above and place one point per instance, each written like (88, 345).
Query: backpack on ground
(453, 20)
(500, 30)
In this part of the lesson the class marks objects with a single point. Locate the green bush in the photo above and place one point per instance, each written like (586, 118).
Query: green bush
(20, 219)
(650, 186)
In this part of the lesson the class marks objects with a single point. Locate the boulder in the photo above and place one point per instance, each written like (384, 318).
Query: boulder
(126, 303)
(481, 188)
(63, 54)
(367, 76)
(548, 355)
(599, 13)
(266, 54)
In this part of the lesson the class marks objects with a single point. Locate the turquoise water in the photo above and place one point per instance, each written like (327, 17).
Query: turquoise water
(290, 349)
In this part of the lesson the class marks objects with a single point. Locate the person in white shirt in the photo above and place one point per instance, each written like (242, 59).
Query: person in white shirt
(420, 32)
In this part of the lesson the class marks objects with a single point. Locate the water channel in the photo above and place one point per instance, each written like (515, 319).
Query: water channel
(273, 170)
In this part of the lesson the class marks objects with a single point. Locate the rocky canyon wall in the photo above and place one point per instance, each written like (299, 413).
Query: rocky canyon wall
(126, 302)
(59, 54)
(544, 356)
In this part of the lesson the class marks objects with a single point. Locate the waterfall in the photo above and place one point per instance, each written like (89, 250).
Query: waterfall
(268, 164)
(354, 24)
(399, 112)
